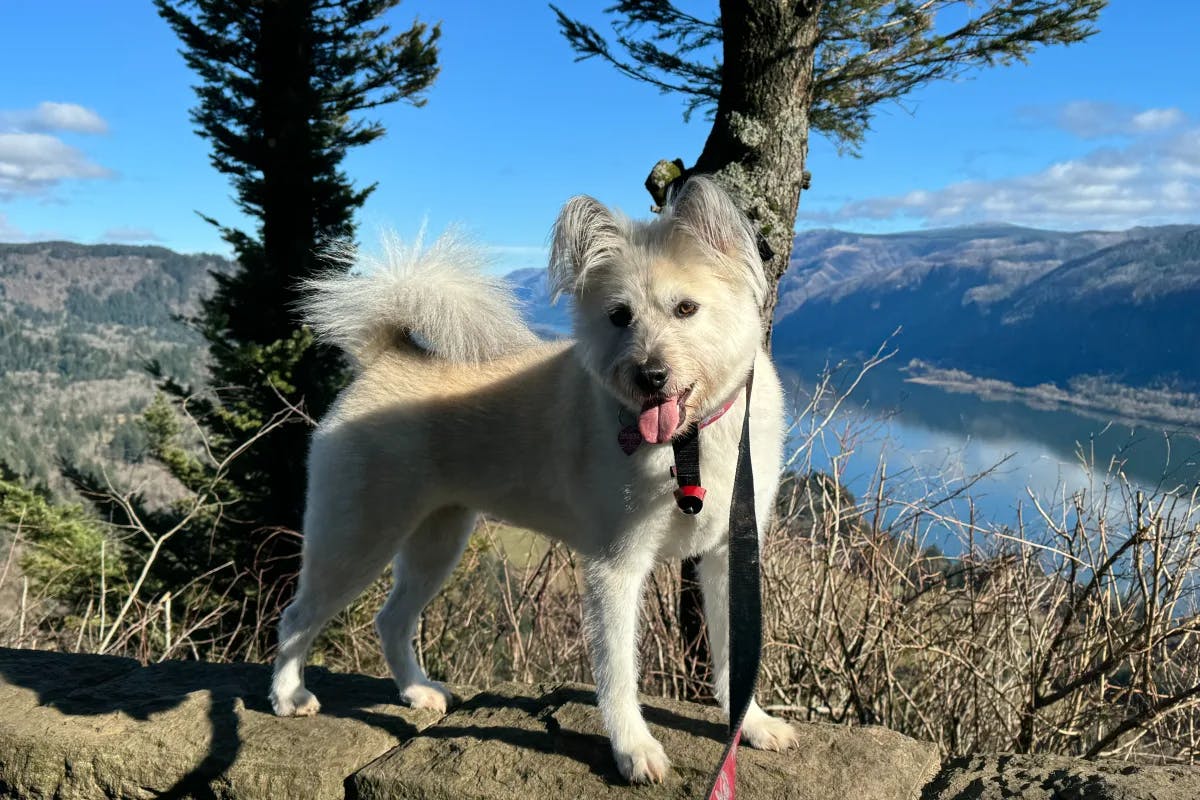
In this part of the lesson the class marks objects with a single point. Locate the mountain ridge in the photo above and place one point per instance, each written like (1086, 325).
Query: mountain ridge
(1007, 302)
(1024, 305)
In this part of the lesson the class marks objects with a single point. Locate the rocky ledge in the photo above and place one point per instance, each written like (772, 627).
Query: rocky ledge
(78, 726)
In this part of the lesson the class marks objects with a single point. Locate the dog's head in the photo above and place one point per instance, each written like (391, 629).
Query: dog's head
(667, 312)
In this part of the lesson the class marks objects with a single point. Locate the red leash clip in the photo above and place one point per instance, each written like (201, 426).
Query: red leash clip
(690, 499)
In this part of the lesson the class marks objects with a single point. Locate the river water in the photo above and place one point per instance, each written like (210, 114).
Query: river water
(933, 441)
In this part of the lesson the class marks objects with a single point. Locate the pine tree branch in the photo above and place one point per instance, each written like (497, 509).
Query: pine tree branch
(868, 52)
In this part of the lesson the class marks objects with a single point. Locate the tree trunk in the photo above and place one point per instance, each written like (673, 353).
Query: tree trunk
(287, 109)
(759, 139)
(756, 149)
(286, 104)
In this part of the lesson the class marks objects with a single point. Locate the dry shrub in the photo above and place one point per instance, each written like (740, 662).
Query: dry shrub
(1073, 632)
(1072, 635)
(510, 611)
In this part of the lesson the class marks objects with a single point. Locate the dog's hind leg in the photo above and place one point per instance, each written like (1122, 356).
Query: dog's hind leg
(342, 555)
(419, 569)
(302, 620)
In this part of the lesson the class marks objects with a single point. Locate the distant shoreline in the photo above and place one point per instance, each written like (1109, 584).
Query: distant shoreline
(1092, 396)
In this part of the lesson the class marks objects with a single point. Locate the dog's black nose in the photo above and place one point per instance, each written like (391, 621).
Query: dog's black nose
(652, 376)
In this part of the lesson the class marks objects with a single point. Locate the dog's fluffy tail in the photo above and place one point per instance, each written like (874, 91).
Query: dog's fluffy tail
(437, 298)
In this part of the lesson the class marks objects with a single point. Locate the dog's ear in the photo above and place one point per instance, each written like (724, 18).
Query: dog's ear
(708, 214)
(585, 236)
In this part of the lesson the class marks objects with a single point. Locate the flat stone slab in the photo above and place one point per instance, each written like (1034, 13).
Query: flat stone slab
(76, 726)
(1022, 777)
(79, 726)
(517, 742)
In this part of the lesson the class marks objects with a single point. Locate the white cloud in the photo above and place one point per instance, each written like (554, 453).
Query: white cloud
(50, 116)
(31, 163)
(1157, 119)
(130, 235)
(1182, 154)
(1088, 119)
(1152, 179)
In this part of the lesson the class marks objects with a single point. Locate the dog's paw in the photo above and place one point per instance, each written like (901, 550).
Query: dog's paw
(644, 762)
(427, 694)
(300, 703)
(764, 732)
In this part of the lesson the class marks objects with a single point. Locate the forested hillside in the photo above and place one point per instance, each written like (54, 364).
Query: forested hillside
(78, 325)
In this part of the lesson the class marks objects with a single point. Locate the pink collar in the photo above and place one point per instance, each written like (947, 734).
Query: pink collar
(630, 438)
(720, 412)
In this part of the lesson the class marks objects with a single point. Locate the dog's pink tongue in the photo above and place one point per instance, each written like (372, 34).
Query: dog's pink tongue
(658, 422)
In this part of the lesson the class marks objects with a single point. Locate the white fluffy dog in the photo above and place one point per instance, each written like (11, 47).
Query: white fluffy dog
(457, 408)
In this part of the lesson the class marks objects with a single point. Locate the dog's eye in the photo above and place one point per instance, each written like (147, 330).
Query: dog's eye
(686, 308)
(620, 316)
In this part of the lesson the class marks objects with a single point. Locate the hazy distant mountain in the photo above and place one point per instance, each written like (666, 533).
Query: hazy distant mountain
(1020, 304)
(835, 263)
(1023, 305)
(532, 288)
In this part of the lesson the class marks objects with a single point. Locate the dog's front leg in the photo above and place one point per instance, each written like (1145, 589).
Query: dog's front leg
(612, 596)
(759, 729)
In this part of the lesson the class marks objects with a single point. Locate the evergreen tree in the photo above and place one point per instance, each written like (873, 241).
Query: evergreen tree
(771, 71)
(283, 84)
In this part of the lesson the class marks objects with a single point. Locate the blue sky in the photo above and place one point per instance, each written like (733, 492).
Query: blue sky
(95, 143)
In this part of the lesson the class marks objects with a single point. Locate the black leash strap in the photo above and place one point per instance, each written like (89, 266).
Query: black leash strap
(745, 609)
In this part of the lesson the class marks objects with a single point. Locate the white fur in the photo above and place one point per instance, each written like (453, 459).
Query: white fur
(480, 419)
(469, 316)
